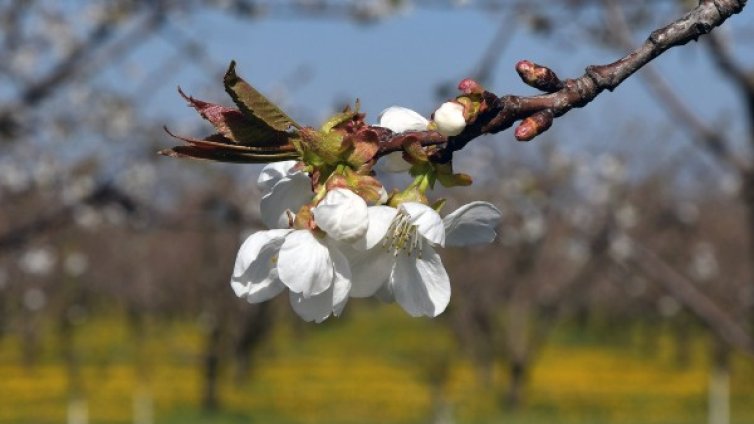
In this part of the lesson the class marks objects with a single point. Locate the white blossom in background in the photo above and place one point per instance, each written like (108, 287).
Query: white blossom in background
(138, 179)
(45, 172)
(13, 178)
(34, 299)
(668, 307)
(534, 227)
(621, 247)
(77, 189)
(703, 265)
(76, 264)
(611, 168)
(114, 215)
(449, 119)
(577, 250)
(87, 217)
(581, 217)
(598, 193)
(559, 160)
(399, 119)
(687, 212)
(398, 252)
(627, 216)
(730, 184)
(37, 261)
(307, 262)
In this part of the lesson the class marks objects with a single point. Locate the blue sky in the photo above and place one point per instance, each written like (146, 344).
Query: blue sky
(403, 58)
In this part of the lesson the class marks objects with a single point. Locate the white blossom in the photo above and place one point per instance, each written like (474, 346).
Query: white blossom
(399, 119)
(307, 262)
(286, 190)
(397, 257)
(38, 261)
(34, 299)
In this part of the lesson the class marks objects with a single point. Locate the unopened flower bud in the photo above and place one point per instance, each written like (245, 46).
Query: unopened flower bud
(449, 119)
(539, 77)
(469, 86)
(534, 125)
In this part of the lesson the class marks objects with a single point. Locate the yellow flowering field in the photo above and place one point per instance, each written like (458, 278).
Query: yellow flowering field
(375, 365)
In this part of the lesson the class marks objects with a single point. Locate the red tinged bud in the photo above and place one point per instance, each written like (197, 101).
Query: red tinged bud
(539, 77)
(534, 125)
(469, 86)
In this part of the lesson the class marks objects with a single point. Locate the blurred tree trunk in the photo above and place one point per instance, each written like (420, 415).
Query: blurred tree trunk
(29, 338)
(77, 406)
(256, 326)
(719, 384)
(516, 383)
(519, 346)
(211, 363)
(683, 336)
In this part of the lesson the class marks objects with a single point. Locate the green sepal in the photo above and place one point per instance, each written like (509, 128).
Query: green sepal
(444, 174)
(439, 204)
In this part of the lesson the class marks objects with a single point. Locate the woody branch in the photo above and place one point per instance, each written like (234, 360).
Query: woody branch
(537, 112)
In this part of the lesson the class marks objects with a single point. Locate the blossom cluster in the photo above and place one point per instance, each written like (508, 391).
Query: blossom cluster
(334, 231)
(351, 248)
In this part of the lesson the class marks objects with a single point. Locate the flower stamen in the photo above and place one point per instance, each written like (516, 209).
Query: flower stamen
(403, 236)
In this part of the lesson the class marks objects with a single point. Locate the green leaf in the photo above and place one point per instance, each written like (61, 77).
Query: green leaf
(254, 105)
(336, 120)
(222, 155)
(236, 127)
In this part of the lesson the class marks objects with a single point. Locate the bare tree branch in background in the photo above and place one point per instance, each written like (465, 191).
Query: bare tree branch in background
(717, 319)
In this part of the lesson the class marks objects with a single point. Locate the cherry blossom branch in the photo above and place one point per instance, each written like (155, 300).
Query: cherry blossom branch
(537, 112)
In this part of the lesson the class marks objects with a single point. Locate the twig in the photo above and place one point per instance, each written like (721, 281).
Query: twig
(712, 141)
(504, 111)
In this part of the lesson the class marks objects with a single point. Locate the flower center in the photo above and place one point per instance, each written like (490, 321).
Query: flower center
(403, 236)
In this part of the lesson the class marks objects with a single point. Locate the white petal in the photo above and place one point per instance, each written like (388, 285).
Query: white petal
(370, 269)
(384, 196)
(288, 194)
(341, 283)
(449, 119)
(255, 275)
(304, 264)
(342, 214)
(315, 308)
(473, 223)
(400, 119)
(421, 286)
(393, 162)
(332, 301)
(273, 172)
(427, 221)
(380, 218)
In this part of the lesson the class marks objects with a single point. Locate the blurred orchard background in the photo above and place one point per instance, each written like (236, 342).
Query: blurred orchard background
(620, 288)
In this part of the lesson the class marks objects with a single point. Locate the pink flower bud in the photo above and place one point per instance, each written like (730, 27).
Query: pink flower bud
(539, 77)
(469, 86)
(534, 125)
